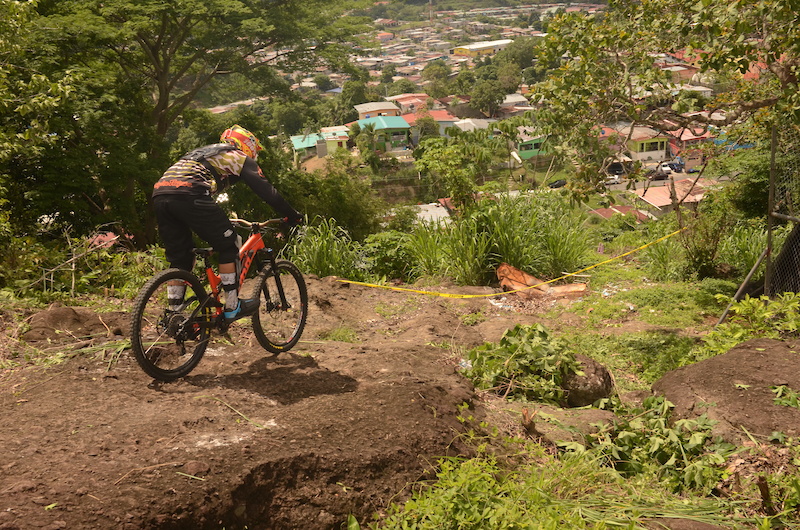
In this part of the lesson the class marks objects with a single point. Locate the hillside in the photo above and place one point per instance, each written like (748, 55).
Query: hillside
(303, 439)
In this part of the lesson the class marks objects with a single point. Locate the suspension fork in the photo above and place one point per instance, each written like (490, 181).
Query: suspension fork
(271, 260)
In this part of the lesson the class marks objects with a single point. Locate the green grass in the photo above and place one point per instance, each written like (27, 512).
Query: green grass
(340, 334)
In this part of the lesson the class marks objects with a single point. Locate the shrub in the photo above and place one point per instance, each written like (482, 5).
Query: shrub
(388, 255)
(751, 318)
(681, 453)
(528, 364)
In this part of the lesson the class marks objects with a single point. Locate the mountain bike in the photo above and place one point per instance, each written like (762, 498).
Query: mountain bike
(169, 343)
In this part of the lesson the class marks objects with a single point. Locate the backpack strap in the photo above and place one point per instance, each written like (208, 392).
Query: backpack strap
(203, 153)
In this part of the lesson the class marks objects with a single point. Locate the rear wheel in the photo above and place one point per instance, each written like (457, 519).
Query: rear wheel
(169, 344)
(279, 322)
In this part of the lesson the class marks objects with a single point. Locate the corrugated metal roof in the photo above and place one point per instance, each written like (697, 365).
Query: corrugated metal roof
(385, 122)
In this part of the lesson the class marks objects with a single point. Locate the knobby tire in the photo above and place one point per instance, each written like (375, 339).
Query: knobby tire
(277, 327)
(168, 345)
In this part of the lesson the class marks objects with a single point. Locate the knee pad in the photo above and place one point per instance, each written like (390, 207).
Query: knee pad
(228, 247)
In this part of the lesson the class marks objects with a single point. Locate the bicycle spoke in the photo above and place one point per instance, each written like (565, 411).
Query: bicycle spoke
(284, 307)
(169, 344)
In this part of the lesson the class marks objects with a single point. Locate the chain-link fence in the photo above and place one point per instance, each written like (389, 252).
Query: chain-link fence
(783, 272)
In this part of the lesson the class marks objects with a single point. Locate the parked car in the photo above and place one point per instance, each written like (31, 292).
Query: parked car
(560, 183)
(656, 174)
(612, 179)
(676, 167)
(665, 168)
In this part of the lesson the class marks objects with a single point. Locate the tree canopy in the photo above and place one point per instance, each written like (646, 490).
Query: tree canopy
(142, 65)
(608, 69)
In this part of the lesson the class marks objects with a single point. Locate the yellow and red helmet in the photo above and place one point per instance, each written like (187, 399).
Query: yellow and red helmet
(243, 140)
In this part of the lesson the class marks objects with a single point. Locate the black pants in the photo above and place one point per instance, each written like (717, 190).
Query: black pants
(181, 215)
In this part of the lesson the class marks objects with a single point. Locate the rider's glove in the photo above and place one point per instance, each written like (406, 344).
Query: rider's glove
(291, 222)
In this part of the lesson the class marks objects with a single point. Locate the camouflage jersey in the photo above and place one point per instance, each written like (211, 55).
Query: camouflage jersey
(214, 168)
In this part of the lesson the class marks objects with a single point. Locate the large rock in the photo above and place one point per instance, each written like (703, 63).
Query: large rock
(595, 383)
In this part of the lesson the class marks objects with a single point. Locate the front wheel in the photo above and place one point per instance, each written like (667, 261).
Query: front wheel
(167, 343)
(283, 307)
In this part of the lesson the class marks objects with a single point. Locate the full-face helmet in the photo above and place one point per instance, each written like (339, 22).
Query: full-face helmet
(243, 140)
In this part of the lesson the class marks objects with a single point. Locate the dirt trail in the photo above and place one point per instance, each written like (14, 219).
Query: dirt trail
(298, 440)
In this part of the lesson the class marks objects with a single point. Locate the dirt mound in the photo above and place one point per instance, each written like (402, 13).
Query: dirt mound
(62, 323)
(735, 390)
(298, 440)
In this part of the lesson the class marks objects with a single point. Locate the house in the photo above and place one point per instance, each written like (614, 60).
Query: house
(659, 202)
(472, 124)
(442, 117)
(377, 108)
(321, 144)
(391, 132)
(686, 143)
(335, 138)
(622, 209)
(305, 145)
(412, 102)
(529, 144)
(479, 49)
(642, 143)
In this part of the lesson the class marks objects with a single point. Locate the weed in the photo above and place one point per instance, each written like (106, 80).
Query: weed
(340, 334)
(392, 309)
(682, 454)
(785, 396)
(473, 318)
(527, 363)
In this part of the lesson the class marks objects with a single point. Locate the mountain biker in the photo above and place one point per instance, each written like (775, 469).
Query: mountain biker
(183, 203)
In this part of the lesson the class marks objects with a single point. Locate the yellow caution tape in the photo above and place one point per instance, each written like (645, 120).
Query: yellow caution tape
(450, 295)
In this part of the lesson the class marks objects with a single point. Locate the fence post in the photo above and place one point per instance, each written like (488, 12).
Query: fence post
(770, 212)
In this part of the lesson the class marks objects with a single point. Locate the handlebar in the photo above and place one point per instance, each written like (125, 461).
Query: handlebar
(249, 224)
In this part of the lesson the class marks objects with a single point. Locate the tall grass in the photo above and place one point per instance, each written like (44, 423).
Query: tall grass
(509, 221)
(326, 249)
(466, 251)
(742, 247)
(564, 243)
(425, 247)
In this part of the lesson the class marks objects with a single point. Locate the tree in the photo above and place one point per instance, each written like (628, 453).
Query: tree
(323, 82)
(28, 101)
(449, 166)
(455, 164)
(606, 70)
(27, 97)
(143, 63)
(387, 74)
(402, 86)
(520, 52)
(437, 70)
(486, 96)
(179, 47)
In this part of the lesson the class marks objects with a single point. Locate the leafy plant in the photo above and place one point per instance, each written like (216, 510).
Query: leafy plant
(751, 318)
(387, 255)
(683, 453)
(785, 396)
(528, 363)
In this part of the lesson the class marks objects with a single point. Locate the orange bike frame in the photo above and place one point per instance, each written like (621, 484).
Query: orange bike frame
(247, 253)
